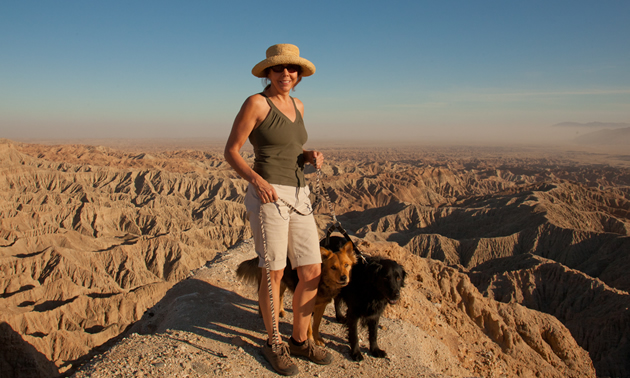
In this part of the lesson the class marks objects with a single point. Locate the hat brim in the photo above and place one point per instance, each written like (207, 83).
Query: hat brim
(308, 68)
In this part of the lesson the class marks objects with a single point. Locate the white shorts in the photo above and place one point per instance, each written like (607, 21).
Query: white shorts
(287, 234)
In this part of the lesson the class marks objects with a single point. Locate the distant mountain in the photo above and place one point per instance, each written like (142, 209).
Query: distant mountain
(608, 125)
(617, 137)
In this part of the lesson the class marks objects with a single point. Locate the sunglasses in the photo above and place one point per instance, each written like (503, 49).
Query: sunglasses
(292, 68)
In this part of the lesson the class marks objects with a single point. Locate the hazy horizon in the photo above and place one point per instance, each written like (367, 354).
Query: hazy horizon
(453, 72)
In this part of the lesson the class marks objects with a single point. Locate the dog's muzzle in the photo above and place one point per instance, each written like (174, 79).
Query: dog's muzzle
(395, 299)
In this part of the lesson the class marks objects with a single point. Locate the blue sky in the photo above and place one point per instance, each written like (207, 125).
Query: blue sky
(395, 70)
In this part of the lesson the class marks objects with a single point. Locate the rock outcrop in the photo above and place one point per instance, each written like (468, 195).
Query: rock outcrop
(596, 314)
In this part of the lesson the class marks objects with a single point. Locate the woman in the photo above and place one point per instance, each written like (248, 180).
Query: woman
(272, 120)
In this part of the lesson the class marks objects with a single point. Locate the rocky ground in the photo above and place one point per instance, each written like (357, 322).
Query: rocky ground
(204, 328)
(208, 324)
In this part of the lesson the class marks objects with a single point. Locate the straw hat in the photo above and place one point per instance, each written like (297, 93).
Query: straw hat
(283, 53)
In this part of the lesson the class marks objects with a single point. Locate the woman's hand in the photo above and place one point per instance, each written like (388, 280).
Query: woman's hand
(265, 191)
(314, 158)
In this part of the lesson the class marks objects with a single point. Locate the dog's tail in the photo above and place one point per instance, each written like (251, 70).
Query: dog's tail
(249, 272)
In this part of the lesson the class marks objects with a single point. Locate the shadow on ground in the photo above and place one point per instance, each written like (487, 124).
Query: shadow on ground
(20, 359)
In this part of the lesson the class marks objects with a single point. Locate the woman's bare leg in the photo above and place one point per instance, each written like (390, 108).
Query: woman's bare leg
(304, 299)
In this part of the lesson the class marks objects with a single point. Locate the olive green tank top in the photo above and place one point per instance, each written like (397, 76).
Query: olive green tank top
(278, 147)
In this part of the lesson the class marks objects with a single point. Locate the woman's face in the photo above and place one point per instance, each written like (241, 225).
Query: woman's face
(284, 77)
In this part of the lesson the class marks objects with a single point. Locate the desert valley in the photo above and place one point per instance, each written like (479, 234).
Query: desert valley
(119, 260)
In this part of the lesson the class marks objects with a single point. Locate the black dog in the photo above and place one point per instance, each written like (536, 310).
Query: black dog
(375, 283)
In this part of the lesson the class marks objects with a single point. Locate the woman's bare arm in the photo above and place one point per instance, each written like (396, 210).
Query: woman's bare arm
(252, 113)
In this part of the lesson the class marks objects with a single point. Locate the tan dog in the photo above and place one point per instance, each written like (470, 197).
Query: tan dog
(336, 269)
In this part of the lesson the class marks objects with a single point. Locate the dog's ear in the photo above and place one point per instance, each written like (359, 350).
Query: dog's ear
(326, 254)
(348, 249)
(375, 267)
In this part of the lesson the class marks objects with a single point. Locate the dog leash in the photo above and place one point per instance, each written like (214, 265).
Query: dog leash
(317, 198)
(339, 228)
(321, 190)
(277, 341)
